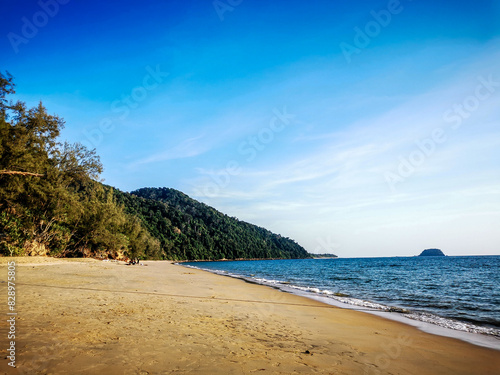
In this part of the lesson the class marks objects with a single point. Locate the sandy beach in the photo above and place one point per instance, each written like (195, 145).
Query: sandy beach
(91, 317)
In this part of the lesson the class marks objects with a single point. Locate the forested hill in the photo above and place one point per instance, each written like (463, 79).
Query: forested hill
(188, 229)
(52, 203)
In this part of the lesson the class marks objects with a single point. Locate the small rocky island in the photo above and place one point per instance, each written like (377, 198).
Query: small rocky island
(324, 256)
(432, 253)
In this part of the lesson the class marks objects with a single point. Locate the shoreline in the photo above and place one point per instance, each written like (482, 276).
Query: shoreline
(229, 260)
(478, 339)
(89, 316)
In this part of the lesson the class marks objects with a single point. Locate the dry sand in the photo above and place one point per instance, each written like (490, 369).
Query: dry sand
(93, 317)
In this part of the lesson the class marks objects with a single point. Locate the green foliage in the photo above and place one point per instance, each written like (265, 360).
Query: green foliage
(49, 198)
(12, 236)
(188, 230)
(50, 201)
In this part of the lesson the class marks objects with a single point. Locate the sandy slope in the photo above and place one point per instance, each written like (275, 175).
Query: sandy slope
(92, 317)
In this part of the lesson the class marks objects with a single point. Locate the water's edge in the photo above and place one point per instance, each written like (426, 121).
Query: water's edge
(480, 336)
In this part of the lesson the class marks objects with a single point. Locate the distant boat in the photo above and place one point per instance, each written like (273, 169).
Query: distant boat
(432, 253)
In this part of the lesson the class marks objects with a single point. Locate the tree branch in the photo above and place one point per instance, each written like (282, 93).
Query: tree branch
(22, 173)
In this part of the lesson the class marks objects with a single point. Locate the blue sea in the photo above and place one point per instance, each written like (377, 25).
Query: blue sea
(461, 293)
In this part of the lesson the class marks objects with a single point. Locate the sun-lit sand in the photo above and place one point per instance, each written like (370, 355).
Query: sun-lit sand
(94, 317)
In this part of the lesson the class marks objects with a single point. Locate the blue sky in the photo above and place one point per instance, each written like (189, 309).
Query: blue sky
(366, 128)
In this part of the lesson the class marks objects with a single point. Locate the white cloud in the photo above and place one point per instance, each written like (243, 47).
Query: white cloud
(333, 183)
(186, 149)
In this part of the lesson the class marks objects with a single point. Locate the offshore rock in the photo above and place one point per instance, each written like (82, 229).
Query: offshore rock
(431, 253)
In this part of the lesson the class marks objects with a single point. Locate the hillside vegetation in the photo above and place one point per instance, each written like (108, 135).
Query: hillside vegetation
(51, 202)
(188, 229)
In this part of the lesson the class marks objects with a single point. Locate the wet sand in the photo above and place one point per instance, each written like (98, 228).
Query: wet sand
(93, 317)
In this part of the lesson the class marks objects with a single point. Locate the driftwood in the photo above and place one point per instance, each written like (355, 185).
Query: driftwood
(22, 173)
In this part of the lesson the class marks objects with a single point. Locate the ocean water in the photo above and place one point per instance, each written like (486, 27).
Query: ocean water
(461, 293)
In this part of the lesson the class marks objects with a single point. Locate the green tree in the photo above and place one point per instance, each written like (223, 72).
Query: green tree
(51, 199)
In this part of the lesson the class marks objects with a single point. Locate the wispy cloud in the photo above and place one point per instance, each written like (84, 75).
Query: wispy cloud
(188, 148)
(335, 179)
